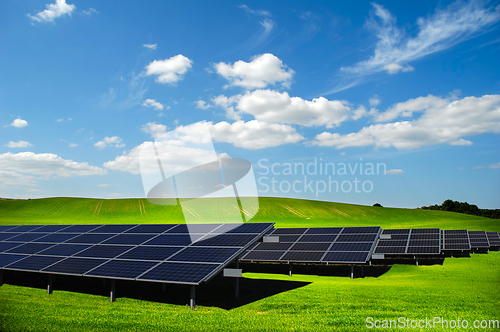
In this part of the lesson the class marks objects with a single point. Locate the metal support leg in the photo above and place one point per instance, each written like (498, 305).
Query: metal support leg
(352, 271)
(416, 260)
(112, 293)
(289, 270)
(192, 304)
(163, 288)
(362, 271)
(49, 285)
(237, 287)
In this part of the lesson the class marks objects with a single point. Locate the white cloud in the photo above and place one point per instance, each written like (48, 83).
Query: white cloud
(262, 71)
(115, 141)
(444, 124)
(374, 101)
(104, 185)
(494, 166)
(19, 123)
(478, 167)
(394, 68)
(394, 171)
(254, 12)
(18, 144)
(226, 103)
(150, 46)
(62, 120)
(53, 11)
(407, 108)
(154, 129)
(46, 164)
(90, 11)
(73, 145)
(153, 103)
(275, 107)
(169, 70)
(395, 48)
(10, 178)
(461, 141)
(201, 104)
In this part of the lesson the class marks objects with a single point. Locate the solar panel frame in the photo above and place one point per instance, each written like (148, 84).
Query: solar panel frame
(456, 239)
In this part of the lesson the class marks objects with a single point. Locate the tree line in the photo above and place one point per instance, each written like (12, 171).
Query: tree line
(464, 207)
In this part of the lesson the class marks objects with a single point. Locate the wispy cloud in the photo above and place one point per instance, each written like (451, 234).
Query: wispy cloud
(150, 46)
(395, 48)
(266, 22)
(18, 144)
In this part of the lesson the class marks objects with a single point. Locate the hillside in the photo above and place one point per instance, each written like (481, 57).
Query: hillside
(285, 212)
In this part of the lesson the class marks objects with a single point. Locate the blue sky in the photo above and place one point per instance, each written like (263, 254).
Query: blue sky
(414, 86)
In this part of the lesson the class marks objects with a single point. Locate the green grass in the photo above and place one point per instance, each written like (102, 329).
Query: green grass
(467, 288)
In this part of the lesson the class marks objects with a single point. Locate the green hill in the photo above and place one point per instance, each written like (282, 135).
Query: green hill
(285, 212)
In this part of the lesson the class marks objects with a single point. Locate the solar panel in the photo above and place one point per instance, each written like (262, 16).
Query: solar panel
(422, 241)
(5, 228)
(162, 253)
(321, 245)
(478, 240)
(456, 240)
(493, 239)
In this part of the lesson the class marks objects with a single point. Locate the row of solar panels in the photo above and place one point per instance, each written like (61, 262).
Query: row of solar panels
(194, 253)
(339, 245)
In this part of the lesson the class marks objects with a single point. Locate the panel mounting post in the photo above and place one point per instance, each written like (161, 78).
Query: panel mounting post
(192, 304)
(362, 270)
(352, 271)
(49, 285)
(112, 293)
(416, 260)
(289, 269)
(237, 287)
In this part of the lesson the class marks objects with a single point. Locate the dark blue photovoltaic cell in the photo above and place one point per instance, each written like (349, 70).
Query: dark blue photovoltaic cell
(169, 240)
(56, 238)
(27, 237)
(347, 257)
(357, 238)
(360, 230)
(226, 240)
(34, 263)
(132, 239)
(29, 248)
(153, 229)
(24, 228)
(4, 246)
(302, 256)
(103, 251)
(4, 228)
(425, 230)
(272, 246)
(90, 238)
(150, 253)
(324, 230)
(79, 228)
(399, 237)
(76, 266)
(208, 255)
(287, 238)
(50, 228)
(6, 259)
(289, 231)
(318, 238)
(121, 269)
(424, 243)
(347, 246)
(191, 273)
(493, 239)
(323, 246)
(112, 229)
(6, 236)
(423, 250)
(391, 250)
(396, 231)
(391, 243)
(64, 249)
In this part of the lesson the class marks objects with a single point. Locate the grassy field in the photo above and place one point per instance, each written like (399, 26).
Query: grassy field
(466, 288)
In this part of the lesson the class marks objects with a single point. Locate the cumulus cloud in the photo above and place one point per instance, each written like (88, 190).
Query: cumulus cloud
(154, 129)
(153, 103)
(150, 46)
(46, 164)
(18, 123)
(10, 178)
(407, 108)
(18, 144)
(275, 107)
(263, 70)
(169, 70)
(53, 11)
(115, 141)
(395, 48)
(201, 104)
(445, 123)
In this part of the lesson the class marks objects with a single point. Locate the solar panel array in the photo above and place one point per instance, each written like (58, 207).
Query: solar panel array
(423, 241)
(493, 239)
(317, 245)
(188, 254)
(478, 240)
(455, 240)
